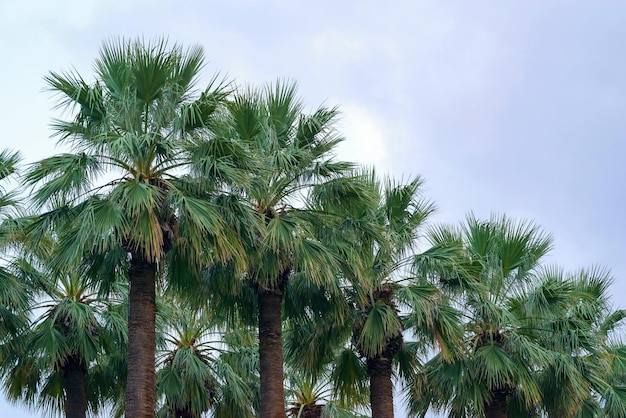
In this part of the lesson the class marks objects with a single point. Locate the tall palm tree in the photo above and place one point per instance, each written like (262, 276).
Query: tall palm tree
(492, 374)
(294, 151)
(378, 330)
(136, 130)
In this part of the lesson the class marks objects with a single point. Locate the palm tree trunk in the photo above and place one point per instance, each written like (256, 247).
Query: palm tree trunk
(492, 412)
(381, 388)
(312, 411)
(185, 413)
(141, 339)
(497, 408)
(75, 376)
(271, 355)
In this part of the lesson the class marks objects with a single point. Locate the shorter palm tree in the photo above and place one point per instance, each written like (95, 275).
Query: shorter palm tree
(310, 396)
(58, 364)
(324, 378)
(573, 318)
(200, 370)
(14, 293)
(374, 237)
(492, 374)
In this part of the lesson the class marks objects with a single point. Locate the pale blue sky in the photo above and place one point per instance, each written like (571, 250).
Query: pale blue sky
(507, 106)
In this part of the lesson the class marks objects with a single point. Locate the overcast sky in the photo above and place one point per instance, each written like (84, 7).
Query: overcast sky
(515, 107)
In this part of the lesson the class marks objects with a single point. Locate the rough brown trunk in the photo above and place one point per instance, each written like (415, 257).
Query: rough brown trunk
(141, 339)
(306, 411)
(381, 387)
(75, 376)
(271, 355)
(497, 408)
(184, 413)
(312, 411)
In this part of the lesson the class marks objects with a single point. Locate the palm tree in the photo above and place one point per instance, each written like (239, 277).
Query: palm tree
(318, 395)
(136, 129)
(492, 373)
(375, 238)
(609, 396)
(324, 377)
(294, 151)
(573, 318)
(200, 371)
(58, 363)
(13, 292)
(8, 166)
(323, 373)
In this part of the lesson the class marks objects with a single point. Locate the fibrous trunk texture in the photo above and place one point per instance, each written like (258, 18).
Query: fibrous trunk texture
(381, 387)
(271, 355)
(184, 413)
(141, 339)
(75, 376)
(497, 408)
(312, 411)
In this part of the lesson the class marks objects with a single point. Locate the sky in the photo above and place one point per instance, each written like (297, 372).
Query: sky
(502, 107)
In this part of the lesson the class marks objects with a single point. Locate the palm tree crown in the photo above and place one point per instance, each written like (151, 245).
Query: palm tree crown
(492, 374)
(13, 291)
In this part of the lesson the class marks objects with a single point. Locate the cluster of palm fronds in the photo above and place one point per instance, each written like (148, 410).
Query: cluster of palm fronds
(199, 253)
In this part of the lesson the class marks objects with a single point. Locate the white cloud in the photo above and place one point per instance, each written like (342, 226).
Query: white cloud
(365, 132)
(337, 45)
(74, 13)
